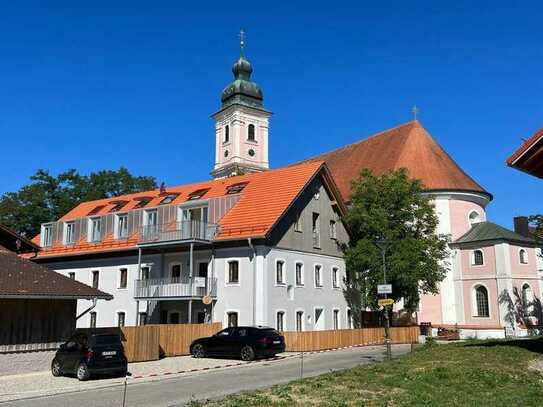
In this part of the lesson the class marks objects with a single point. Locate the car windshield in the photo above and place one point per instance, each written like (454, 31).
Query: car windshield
(107, 339)
(268, 331)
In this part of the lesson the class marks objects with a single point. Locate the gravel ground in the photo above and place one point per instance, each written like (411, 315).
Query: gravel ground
(38, 383)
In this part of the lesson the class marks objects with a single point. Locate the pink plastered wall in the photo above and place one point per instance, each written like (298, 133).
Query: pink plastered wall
(469, 303)
(430, 308)
(459, 214)
(523, 270)
(488, 269)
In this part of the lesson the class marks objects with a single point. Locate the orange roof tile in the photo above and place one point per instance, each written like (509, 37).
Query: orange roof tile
(265, 198)
(529, 156)
(407, 146)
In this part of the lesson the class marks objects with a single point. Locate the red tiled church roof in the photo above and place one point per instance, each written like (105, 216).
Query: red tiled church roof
(529, 156)
(407, 146)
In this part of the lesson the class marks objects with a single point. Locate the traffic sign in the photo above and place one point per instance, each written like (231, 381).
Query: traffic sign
(384, 289)
(385, 301)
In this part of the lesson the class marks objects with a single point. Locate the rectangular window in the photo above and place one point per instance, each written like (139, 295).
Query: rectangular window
(298, 223)
(233, 272)
(92, 319)
(318, 276)
(299, 274)
(299, 321)
(120, 319)
(95, 278)
(168, 199)
(232, 319)
(333, 229)
(336, 319)
(315, 228)
(71, 275)
(279, 272)
(95, 232)
(123, 278)
(69, 233)
(151, 218)
(175, 273)
(280, 321)
(142, 318)
(335, 277)
(145, 273)
(349, 319)
(122, 226)
(47, 235)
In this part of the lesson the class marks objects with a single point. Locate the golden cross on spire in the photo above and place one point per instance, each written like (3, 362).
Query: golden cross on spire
(241, 40)
(415, 110)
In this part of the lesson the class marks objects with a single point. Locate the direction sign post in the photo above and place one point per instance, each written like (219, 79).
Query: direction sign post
(384, 289)
(385, 301)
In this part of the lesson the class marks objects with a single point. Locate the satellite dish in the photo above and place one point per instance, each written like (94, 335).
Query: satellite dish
(206, 299)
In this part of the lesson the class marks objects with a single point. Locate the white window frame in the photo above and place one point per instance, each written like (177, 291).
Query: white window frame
(472, 258)
(227, 273)
(47, 237)
(321, 282)
(90, 229)
(120, 279)
(333, 229)
(69, 226)
(525, 256)
(334, 311)
(474, 301)
(230, 311)
(336, 281)
(283, 281)
(119, 228)
(284, 319)
(302, 274)
(91, 272)
(296, 311)
(148, 215)
(479, 218)
(323, 315)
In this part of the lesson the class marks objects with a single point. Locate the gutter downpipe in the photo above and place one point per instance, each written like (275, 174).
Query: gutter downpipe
(249, 241)
(138, 282)
(212, 278)
(94, 302)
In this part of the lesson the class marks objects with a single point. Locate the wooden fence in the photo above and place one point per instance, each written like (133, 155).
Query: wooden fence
(319, 340)
(175, 340)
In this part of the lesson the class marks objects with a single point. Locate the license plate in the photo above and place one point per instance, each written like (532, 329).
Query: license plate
(110, 353)
(276, 342)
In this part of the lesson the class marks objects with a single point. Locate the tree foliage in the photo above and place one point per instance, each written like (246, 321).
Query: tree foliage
(47, 197)
(536, 221)
(392, 208)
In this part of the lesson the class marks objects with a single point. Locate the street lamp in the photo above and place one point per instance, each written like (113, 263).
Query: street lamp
(383, 244)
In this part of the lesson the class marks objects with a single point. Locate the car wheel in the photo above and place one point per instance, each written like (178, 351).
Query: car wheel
(56, 370)
(83, 372)
(247, 353)
(198, 351)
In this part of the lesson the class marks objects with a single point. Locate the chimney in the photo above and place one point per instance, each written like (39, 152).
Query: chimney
(521, 225)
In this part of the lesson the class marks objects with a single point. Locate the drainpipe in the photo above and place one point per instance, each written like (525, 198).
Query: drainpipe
(212, 281)
(190, 280)
(138, 284)
(94, 301)
(254, 278)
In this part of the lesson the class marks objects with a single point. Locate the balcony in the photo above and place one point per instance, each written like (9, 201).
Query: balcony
(175, 288)
(182, 231)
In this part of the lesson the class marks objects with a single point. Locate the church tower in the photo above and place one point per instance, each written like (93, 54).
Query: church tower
(241, 126)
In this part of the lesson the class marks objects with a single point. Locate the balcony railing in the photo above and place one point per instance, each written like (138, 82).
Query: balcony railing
(176, 287)
(178, 231)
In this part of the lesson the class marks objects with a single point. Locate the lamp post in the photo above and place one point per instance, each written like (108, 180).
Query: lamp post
(382, 244)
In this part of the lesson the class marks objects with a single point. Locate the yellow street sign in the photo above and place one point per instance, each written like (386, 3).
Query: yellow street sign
(385, 301)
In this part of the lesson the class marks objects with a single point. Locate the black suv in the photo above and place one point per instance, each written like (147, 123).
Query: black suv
(88, 353)
(247, 342)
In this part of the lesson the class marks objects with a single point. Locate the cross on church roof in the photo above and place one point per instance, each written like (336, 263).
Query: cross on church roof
(241, 40)
(415, 110)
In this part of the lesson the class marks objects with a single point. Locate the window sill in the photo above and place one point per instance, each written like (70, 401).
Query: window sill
(319, 286)
(122, 288)
(280, 284)
(299, 286)
(232, 284)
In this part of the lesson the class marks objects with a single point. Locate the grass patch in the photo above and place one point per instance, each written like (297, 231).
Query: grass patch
(474, 373)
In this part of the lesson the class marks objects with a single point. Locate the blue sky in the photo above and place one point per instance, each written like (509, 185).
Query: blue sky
(134, 83)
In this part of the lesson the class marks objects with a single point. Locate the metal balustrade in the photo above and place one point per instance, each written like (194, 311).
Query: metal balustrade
(175, 231)
(175, 287)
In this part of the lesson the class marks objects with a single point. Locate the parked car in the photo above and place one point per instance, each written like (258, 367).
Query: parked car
(86, 354)
(246, 342)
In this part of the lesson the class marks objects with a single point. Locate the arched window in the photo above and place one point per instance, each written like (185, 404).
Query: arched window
(481, 301)
(226, 133)
(523, 256)
(251, 132)
(478, 259)
(527, 295)
(474, 218)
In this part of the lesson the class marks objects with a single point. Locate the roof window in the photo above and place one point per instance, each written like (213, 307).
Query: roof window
(197, 194)
(117, 206)
(96, 210)
(142, 201)
(235, 188)
(168, 199)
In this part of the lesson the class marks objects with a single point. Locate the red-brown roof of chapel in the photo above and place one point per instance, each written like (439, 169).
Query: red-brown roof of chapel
(406, 146)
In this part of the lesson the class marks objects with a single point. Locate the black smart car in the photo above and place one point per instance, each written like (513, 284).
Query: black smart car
(246, 342)
(88, 353)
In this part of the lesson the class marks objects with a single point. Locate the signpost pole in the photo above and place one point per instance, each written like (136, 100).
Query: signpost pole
(385, 307)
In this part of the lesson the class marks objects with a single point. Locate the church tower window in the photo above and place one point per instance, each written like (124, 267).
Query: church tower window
(226, 133)
(251, 132)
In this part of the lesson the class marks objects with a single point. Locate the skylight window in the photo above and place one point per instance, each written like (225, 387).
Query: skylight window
(96, 210)
(168, 199)
(118, 205)
(142, 202)
(235, 188)
(199, 193)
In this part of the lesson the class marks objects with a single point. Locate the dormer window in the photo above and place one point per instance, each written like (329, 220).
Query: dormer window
(47, 235)
(251, 133)
(235, 188)
(168, 199)
(199, 193)
(69, 233)
(117, 206)
(142, 202)
(226, 133)
(122, 226)
(95, 210)
(95, 229)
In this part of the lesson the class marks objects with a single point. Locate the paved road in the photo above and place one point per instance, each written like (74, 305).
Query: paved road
(177, 391)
